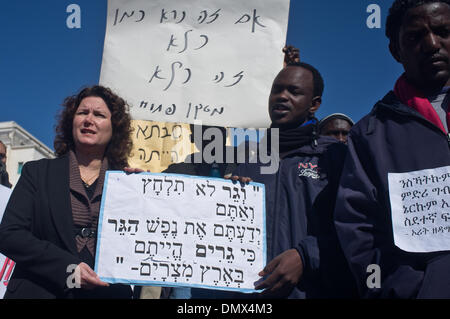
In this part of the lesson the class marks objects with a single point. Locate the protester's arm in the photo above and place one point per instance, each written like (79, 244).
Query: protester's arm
(297, 266)
(286, 270)
(282, 274)
(294, 267)
(308, 251)
(363, 226)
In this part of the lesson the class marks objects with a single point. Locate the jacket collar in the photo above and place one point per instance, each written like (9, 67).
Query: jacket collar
(391, 103)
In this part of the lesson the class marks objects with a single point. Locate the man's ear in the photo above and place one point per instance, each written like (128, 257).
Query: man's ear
(315, 104)
(393, 48)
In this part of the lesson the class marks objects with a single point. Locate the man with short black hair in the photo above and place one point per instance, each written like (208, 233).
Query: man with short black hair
(304, 258)
(4, 177)
(406, 132)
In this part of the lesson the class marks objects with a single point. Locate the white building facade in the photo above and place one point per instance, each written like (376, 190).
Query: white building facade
(21, 147)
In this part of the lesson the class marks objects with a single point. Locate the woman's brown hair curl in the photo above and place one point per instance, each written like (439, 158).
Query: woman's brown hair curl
(119, 148)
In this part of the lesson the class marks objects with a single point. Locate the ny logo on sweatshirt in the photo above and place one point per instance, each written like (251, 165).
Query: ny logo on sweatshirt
(308, 170)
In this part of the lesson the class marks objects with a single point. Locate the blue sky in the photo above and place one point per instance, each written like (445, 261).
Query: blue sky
(42, 61)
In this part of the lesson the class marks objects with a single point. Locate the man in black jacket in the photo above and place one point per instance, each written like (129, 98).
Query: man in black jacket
(304, 259)
(406, 132)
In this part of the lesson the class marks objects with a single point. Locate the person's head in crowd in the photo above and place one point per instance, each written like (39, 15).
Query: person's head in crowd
(419, 39)
(295, 96)
(95, 121)
(336, 125)
(3, 153)
(4, 177)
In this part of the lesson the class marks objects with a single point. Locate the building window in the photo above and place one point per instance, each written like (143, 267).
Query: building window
(19, 168)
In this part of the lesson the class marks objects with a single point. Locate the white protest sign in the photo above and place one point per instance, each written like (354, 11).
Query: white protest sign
(178, 230)
(6, 264)
(420, 205)
(5, 193)
(212, 61)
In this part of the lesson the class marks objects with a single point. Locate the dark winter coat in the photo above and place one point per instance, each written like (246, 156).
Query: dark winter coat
(300, 199)
(393, 138)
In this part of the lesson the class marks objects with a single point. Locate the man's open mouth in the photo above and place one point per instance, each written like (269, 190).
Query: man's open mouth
(280, 108)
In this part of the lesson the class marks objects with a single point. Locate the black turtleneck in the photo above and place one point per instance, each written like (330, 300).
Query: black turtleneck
(294, 138)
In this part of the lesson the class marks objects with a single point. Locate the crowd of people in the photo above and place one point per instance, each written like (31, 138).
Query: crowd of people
(328, 209)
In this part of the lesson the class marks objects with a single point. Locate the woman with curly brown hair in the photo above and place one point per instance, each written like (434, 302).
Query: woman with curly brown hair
(49, 226)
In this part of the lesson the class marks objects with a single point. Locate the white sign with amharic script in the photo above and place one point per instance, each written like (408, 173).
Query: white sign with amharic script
(212, 61)
(179, 230)
(420, 205)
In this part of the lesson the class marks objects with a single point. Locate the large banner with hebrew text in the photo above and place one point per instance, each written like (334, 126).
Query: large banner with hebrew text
(177, 230)
(199, 60)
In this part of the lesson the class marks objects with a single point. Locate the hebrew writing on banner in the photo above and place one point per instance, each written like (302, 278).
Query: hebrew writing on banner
(186, 61)
(177, 230)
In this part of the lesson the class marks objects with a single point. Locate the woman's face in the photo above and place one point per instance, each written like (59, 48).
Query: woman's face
(92, 127)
